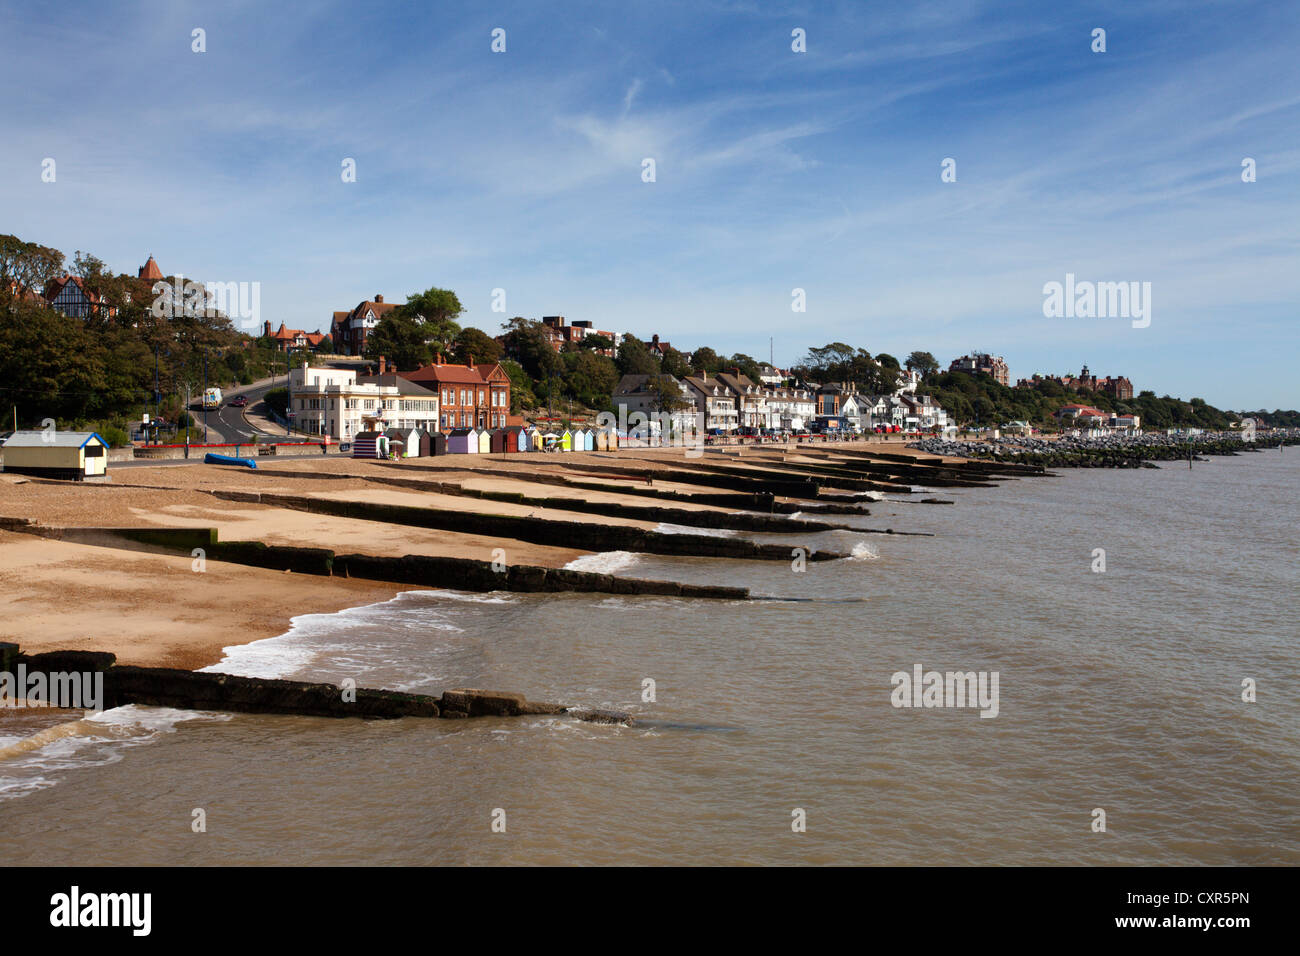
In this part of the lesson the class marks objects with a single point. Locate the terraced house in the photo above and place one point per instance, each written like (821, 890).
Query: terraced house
(715, 401)
(470, 396)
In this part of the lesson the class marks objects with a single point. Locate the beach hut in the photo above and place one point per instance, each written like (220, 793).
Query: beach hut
(588, 439)
(516, 439)
(605, 440)
(411, 437)
(74, 456)
(462, 441)
(397, 439)
(365, 445)
(535, 442)
(484, 442)
(437, 443)
(566, 440)
(425, 442)
(498, 441)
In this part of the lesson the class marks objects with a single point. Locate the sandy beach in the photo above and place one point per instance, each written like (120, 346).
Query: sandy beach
(153, 609)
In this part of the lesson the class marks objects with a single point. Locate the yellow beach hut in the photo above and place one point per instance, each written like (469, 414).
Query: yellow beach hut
(74, 456)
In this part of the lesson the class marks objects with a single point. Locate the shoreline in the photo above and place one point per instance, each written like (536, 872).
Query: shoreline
(147, 606)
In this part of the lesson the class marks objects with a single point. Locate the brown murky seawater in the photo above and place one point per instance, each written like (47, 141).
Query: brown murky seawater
(1118, 690)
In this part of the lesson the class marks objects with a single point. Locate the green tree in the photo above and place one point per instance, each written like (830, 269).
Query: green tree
(923, 363)
(706, 360)
(472, 343)
(400, 339)
(436, 311)
(635, 358)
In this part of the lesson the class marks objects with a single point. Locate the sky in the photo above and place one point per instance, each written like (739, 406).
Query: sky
(774, 170)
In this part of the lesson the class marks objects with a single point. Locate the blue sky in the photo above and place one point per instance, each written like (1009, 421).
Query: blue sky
(775, 170)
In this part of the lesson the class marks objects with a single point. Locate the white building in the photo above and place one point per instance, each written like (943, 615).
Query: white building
(334, 402)
(789, 409)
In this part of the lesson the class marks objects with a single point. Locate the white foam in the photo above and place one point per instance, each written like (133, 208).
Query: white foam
(688, 529)
(605, 562)
(95, 740)
(863, 552)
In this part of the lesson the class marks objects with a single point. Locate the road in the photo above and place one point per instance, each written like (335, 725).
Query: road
(228, 424)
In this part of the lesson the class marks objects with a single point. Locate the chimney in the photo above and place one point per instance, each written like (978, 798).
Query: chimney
(381, 365)
(439, 358)
(471, 361)
(379, 299)
(266, 328)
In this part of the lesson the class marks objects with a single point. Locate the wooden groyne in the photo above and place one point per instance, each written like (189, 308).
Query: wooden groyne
(588, 536)
(429, 571)
(201, 690)
(729, 520)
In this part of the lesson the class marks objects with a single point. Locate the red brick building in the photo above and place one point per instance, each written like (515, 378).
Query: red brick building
(470, 396)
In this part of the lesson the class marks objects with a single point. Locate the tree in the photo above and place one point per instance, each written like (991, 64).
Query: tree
(521, 387)
(635, 358)
(472, 343)
(589, 378)
(401, 340)
(674, 363)
(923, 363)
(706, 360)
(747, 366)
(28, 264)
(436, 311)
(527, 344)
(667, 392)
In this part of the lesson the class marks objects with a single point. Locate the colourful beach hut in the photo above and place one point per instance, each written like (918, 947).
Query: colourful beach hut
(485, 442)
(437, 443)
(588, 439)
(566, 440)
(365, 445)
(602, 439)
(534, 439)
(498, 441)
(462, 441)
(516, 439)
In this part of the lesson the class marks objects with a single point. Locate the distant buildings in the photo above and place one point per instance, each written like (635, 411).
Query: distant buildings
(1119, 388)
(982, 363)
(348, 330)
(68, 294)
(470, 396)
(286, 339)
(559, 330)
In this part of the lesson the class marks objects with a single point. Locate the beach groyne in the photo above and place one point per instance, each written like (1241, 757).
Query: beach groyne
(428, 571)
(587, 536)
(726, 520)
(204, 690)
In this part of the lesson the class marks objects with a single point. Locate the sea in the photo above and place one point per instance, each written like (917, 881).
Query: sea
(1141, 625)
